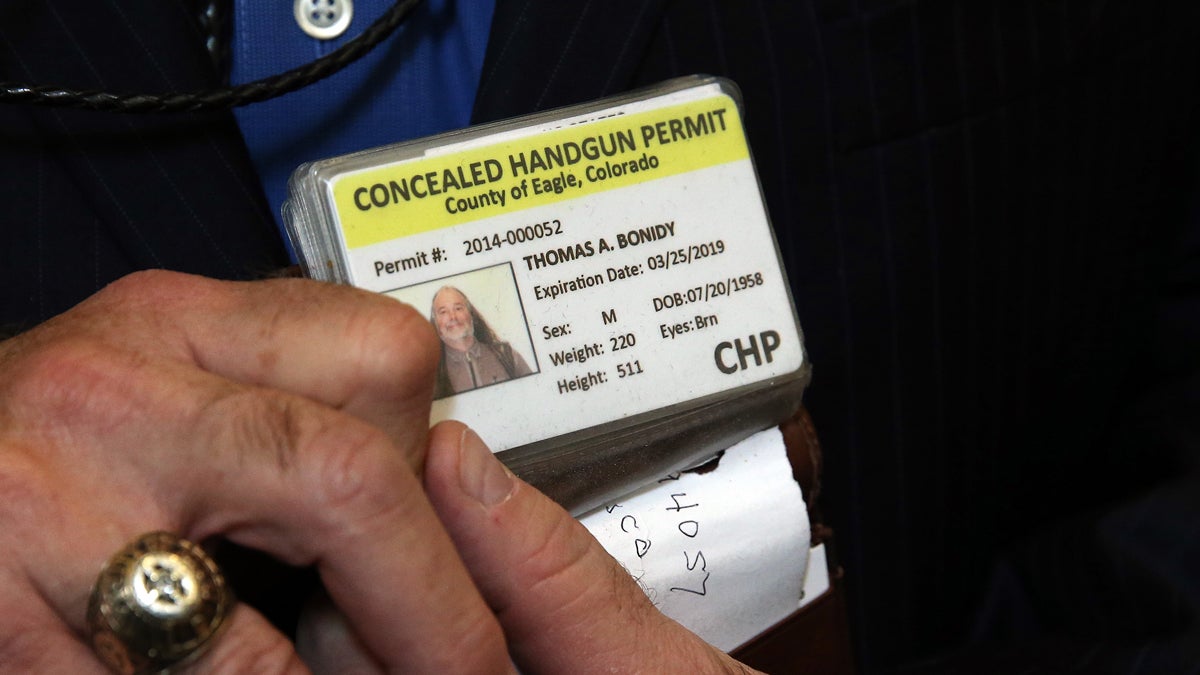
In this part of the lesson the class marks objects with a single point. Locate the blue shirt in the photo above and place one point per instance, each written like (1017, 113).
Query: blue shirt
(419, 81)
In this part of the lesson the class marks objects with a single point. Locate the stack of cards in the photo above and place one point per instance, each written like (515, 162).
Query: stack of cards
(604, 280)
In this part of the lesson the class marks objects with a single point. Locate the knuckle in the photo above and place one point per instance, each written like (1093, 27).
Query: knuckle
(148, 286)
(258, 421)
(148, 303)
(71, 379)
(340, 462)
(356, 474)
(394, 344)
(343, 470)
(44, 370)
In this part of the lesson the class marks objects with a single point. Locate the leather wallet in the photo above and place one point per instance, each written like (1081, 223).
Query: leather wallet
(816, 638)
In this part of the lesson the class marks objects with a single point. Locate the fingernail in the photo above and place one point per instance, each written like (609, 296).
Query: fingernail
(481, 475)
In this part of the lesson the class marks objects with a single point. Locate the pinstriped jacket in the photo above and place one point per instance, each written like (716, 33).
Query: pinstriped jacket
(985, 210)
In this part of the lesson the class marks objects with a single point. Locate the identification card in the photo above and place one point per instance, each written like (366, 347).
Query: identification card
(601, 276)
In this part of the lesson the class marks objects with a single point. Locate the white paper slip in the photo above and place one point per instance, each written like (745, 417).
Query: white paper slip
(725, 553)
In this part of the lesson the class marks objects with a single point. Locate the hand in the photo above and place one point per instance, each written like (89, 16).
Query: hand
(288, 416)
(566, 606)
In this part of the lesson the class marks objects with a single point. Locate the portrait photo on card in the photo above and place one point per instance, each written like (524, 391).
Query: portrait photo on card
(481, 322)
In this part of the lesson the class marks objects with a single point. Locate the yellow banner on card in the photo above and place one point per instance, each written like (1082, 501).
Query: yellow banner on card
(610, 152)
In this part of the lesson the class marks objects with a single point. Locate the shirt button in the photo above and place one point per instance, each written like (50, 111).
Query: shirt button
(323, 19)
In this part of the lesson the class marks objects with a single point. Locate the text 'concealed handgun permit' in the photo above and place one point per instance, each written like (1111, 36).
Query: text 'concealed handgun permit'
(584, 270)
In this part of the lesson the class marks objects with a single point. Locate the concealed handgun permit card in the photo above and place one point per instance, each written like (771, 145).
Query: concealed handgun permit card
(584, 267)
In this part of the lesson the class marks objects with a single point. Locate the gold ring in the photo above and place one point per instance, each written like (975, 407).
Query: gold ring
(157, 604)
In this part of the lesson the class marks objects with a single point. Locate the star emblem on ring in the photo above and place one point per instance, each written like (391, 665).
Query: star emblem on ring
(156, 605)
(164, 584)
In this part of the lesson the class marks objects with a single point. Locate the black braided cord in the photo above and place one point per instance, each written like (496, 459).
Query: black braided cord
(216, 99)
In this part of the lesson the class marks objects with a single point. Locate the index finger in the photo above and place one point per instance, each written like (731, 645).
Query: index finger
(356, 351)
(348, 503)
(309, 485)
(131, 436)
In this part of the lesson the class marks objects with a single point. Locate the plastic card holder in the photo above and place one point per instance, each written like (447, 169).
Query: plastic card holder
(604, 279)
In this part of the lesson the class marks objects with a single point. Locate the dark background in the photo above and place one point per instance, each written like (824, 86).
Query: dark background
(986, 210)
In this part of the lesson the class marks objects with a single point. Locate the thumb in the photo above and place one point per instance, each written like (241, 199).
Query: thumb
(565, 605)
